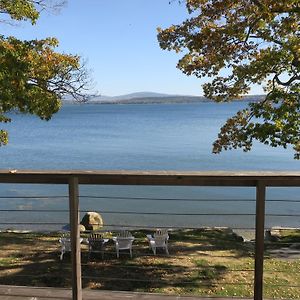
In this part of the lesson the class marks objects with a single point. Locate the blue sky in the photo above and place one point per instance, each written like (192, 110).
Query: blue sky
(118, 40)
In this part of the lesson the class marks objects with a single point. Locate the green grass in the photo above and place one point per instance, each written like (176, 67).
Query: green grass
(201, 262)
(8, 261)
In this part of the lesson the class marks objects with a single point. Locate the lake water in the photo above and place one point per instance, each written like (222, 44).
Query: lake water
(139, 137)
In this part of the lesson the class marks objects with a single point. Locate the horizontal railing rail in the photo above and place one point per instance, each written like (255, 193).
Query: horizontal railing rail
(213, 178)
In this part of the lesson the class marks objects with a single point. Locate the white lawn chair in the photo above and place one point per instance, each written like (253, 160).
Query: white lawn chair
(158, 240)
(123, 241)
(96, 244)
(65, 243)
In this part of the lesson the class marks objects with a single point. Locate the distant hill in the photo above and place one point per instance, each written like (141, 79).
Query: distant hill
(153, 100)
(158, 98)
(138, 95)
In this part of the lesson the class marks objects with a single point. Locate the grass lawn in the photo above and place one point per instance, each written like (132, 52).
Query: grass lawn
(210, 262)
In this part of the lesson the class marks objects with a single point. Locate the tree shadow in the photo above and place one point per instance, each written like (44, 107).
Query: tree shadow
(149, 276)
(35, 262)
(202, 240)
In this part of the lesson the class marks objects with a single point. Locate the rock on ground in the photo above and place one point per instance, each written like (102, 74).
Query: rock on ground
(92, 221)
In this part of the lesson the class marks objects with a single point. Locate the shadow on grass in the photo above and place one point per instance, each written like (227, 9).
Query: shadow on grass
(286, 236)
(149, 276)
(25, 239)
(211, 240)
(35, 262)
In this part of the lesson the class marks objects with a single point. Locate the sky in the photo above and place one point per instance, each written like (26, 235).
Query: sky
(118, 40)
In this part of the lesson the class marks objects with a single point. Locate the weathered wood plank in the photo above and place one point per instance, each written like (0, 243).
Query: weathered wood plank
(170, 178)
(75, 237)
(22, 293)
(259, 240)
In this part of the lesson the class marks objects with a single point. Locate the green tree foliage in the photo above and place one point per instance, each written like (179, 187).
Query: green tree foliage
(255, 42)
(33, 77)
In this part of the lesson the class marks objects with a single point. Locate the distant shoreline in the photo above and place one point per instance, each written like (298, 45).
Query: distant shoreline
(164, 100)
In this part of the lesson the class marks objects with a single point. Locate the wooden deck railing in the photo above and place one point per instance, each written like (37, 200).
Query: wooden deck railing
(260, 180)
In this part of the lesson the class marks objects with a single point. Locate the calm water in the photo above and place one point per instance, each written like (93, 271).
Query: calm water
(139, 137)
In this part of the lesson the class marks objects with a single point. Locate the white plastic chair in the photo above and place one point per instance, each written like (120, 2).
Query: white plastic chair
(158, 240)
(123, 241)
(65, 243)
(96, 244)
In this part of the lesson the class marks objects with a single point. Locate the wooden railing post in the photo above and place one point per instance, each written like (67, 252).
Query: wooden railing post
(259, 240)
(75, 238)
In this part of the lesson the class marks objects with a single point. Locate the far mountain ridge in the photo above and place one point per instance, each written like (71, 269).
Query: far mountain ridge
(157, 98)
(134, 96)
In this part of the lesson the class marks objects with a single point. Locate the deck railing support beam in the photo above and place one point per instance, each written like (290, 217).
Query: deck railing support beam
(75, 239)
(259, 240)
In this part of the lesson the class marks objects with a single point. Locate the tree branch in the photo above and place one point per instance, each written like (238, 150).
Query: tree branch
(287, 83)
